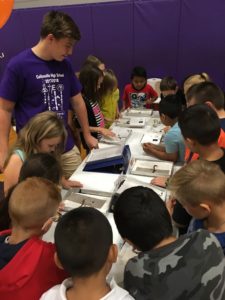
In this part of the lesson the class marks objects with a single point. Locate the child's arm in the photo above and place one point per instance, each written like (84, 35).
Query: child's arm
(153, 95)
(160, 153)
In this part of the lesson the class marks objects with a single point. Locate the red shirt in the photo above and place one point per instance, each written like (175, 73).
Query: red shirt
(31, 272)
(136, 98)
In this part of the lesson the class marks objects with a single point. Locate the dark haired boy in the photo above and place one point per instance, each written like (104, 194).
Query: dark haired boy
(84, 248)
(174, 149)
(138, 93)
(42, 79)
(166, 268)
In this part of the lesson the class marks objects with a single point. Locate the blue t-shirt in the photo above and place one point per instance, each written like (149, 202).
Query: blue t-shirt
(196, 224)
(36, 85)
(174, 142)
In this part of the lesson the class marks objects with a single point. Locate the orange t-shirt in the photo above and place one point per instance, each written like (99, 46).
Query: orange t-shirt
(221, 143)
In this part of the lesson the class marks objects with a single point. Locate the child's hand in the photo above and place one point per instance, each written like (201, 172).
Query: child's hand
(147, 147)
(165, 129)
(159, 181)
(107, 132)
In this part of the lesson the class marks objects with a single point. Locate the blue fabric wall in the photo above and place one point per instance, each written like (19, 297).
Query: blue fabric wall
(168, 37)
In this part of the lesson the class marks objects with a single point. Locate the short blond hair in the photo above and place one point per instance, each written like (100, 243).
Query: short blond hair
(33, 202)
(195, 79)
(198, 181)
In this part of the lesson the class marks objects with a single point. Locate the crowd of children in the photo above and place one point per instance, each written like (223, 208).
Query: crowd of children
(78, 266)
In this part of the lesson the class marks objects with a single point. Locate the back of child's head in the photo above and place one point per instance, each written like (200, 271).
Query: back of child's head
(168, 83)
(206, 92)
(170, 106)
(60, 25)
(109, 83)
(94, 61)
(45, 125)
(89, 78)
(194, 79)
(43, 165)
(139, 72)
(32, 202)
(83, 238)
(198, 181)
(142, 218)
(200, 123)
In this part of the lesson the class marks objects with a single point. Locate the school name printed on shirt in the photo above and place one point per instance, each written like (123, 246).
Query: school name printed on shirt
(52, 90)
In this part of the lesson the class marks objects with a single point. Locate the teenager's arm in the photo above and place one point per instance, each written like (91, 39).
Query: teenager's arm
(11, 172)
(103, 131)
(6, 108)
(81, 113)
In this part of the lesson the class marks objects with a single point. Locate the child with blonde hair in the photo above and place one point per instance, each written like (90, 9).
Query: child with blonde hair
(45, 133)
(194, 79)
(26, 262)
(200, 188)
(109, 97)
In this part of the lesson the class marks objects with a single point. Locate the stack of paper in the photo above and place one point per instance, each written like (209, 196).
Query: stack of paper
(121, 136)
(153, 138)
(132, 112)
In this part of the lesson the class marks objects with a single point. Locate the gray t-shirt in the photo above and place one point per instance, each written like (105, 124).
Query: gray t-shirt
(192, 267)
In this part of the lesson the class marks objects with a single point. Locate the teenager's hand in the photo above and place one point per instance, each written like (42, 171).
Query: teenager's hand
(159, 181)
(91, 142)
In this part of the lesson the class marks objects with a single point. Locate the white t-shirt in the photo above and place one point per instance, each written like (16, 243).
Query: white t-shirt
(58, 292)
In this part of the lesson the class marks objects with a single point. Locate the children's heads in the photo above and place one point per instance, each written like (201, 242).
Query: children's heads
(83, 239)
(33, 202)
(60, 25)
(94, 61)
(44, 132)
(197, 186)
(205, 92)
(91, 79)
(168, 86)
(169, 109)
(199, 125)
(109, 83)
(138, 78)
(194, 79)
(41, 165)
(142, 218)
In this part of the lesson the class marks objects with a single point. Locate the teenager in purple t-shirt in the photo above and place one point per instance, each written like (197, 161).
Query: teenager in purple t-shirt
(40, 79)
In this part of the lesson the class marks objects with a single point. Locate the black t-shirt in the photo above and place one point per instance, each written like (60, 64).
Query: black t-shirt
(8, 251)
(180, 215)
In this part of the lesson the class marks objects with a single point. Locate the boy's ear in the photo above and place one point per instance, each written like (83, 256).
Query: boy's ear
(206, 207)
(210, 104)
(47, 225)
(57, 261)
(113, 253)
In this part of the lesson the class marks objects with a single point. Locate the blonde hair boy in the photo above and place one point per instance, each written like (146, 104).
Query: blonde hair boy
(200, 188)
(32, 205)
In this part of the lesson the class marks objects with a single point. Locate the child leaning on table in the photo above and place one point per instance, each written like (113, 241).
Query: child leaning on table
(84, 249)
(200, 188)
(166, 268)
(27, 266)
(174, 148)
(138, 93)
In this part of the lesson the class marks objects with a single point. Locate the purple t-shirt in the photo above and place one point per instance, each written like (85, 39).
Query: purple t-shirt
(36, 85)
